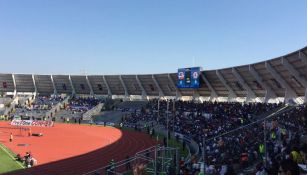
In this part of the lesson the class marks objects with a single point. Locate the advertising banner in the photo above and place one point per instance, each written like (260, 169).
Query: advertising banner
(32, 123)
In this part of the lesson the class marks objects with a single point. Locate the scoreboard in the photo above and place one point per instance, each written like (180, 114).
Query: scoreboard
(188, 77)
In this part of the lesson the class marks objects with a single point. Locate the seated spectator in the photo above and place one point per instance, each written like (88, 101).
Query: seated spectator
(296, 156)
(19, 158)
(209, 120)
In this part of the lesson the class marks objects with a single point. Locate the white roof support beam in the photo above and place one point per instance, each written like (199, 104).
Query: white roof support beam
(124, 86)
(178, 93)
(269, 92)
(15, 88)
(232, 95)
(108, 87)
(250, 93)
(303, 57)
(290, 94)
(72, 86)
(90, 86)
(213, 94)
(53, 84)
(144, 93)
(34, 83)
(293, 72)
(296, 74)
(196, 95)
(161, 93)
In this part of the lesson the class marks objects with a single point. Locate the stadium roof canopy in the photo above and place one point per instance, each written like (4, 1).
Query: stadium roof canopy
(279, 79)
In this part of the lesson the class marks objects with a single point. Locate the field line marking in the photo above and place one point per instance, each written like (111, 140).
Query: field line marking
(11, 156)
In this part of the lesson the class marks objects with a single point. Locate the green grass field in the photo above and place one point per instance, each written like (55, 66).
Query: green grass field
(7, 163)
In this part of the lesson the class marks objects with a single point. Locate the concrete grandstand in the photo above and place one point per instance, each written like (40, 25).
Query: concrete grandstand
(215, 117)
(281, 79)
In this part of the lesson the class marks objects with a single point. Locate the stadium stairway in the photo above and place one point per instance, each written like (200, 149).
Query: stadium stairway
(94, 111)
(55, 109)
(8, 105)
(21, 100)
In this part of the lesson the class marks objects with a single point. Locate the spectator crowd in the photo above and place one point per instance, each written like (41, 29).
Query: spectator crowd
(232, 137)
(80, 104)
(46, 102)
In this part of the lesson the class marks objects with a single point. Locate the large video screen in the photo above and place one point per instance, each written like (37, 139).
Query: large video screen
(188, 77)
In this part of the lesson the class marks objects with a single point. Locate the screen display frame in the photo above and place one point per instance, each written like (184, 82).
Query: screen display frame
(189, 77)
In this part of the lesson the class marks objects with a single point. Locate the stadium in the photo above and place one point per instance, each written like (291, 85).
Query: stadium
(272, 92)
(153, 88)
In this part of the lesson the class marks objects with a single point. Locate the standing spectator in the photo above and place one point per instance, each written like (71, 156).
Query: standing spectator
(128, 165)
(295, 155)
(164, 141)
(11, 137)
(150, 133)
(112, 167)
(139, 169)
(30, 132)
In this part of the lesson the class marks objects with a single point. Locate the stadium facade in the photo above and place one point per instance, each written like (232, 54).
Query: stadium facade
(280, 79)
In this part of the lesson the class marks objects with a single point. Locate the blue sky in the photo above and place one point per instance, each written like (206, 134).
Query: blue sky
(145, 36)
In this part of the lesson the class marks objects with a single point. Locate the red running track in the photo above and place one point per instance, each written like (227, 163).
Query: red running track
(67, 149)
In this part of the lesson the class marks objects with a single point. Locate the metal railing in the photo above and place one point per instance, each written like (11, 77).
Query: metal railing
(153, 160)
